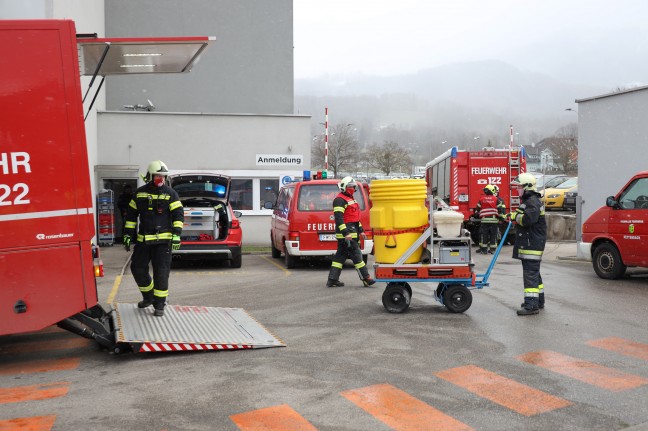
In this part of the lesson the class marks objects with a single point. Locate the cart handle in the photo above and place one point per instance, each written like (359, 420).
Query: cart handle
(497, 252)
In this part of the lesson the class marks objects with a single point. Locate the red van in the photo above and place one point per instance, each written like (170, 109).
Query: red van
(618, 231)
(303, 225)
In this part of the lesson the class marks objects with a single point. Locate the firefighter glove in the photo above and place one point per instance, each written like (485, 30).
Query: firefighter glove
(175, 243)
(127, 242)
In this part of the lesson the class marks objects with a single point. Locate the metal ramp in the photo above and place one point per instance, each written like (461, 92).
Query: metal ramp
(186, 328)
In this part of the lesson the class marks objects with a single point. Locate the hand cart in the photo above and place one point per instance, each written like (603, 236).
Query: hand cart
(452, 269)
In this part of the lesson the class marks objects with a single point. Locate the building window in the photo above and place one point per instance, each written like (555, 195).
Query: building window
(269, 189)
(241, 194)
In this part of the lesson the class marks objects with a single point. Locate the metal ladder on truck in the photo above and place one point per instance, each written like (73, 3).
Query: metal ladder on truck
(514, 171)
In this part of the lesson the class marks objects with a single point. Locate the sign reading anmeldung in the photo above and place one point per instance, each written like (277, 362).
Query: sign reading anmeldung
(279, 159)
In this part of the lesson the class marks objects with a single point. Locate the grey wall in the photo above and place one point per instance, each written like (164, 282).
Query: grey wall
(613, 145)
(226, 143)
(249, 69)
(200, 141)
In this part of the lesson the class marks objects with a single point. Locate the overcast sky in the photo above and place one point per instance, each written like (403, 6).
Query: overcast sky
(383, 37)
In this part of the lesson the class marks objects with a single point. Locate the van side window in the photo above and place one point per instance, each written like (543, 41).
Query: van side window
(282, 201)
(636, 195)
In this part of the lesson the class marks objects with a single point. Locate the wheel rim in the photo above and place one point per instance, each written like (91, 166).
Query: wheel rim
(606, 262)
(457, 299)
(397, 299)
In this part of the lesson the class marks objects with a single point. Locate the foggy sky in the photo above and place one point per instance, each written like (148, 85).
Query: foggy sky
(595, 42)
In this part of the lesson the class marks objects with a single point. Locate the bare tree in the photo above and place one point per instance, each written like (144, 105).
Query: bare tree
(388, 156)
(343, 152)
(564, 146)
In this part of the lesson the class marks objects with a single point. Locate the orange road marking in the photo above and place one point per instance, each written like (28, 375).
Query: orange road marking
(400, 411)
(31, 393)
(588, 372)
(39, 346)
(40, 366)
(36, 423)
(505, 392)
(625, 347)
(278, 418)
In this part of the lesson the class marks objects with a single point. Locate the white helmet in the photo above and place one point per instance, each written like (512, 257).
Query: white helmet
(156, 167)
(525, 180)
(346, 182)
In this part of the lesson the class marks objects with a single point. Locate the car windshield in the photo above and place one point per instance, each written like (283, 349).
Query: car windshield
(571, 182)
(555, 181)
(319, 197)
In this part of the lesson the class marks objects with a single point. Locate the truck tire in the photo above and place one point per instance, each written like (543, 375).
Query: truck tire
(291, 261)
(276, 254)
(236, 261)
(607, 262)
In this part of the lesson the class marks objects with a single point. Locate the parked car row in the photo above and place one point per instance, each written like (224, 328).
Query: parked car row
(554, 197)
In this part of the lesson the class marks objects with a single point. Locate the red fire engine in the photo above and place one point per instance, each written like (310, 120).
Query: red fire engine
(47, 273)
(458, 177)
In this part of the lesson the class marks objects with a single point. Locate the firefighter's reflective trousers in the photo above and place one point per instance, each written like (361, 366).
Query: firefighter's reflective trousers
(159, 255)
(347, 249)
(532, 280)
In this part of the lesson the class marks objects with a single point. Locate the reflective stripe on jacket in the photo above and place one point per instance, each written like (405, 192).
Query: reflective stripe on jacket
(347, 216)
(159, 211)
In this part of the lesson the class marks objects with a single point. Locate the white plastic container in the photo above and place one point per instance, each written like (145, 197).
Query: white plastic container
(448, 223)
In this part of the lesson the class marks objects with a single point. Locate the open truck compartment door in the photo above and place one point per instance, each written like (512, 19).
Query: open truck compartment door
(46, 207)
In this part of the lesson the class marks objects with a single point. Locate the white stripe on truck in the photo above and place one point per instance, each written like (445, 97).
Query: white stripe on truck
(46, 214)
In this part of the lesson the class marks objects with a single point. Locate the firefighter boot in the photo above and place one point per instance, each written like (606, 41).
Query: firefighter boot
(158, 305)
(540, 301)
(147, 301)
(334, 277)
(368, 282)
(530, 306)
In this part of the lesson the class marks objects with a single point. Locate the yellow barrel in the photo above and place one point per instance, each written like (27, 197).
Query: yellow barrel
(398, 218)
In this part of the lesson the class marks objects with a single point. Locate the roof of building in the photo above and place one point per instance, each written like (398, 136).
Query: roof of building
(614, 93)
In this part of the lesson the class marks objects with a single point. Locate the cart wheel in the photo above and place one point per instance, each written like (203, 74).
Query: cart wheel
(457, 298)
(439, 291)
(396, 297)
(408, 288)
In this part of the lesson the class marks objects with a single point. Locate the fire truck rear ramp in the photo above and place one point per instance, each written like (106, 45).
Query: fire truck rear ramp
(186, 328)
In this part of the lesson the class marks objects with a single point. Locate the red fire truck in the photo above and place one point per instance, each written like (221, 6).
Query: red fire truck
(458, 177)
(47, 273)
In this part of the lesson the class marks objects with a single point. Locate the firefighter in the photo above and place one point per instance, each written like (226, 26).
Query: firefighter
(160, 224)
(489, 213)
(347, 231)
(530, 238)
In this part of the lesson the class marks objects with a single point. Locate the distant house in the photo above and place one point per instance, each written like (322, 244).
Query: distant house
(540, 158)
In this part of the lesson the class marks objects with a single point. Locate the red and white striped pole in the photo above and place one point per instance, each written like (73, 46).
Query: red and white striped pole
(326, 140)
(511, 141)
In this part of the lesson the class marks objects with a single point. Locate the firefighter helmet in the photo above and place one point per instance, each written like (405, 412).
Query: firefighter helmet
(156, 167)
(489, 189)
(526, 181)
(346, 182)
(495, 189)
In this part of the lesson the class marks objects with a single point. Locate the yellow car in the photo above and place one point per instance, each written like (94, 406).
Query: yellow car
(554, 198)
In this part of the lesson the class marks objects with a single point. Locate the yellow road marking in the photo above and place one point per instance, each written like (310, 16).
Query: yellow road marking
(114, 290)
(267, 259)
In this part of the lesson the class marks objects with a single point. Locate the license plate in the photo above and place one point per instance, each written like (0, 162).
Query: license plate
(327, 237)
